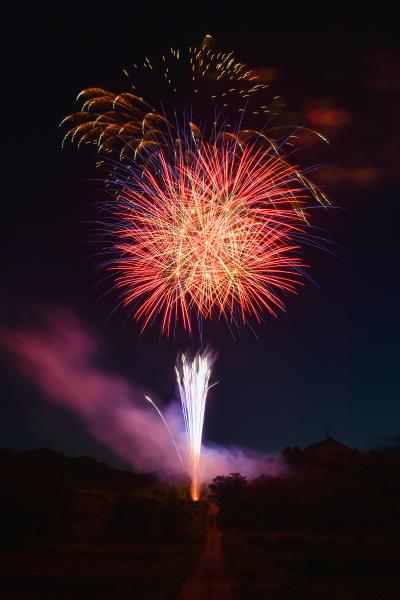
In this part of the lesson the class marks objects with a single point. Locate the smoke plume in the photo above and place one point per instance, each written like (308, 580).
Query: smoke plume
(59, 357)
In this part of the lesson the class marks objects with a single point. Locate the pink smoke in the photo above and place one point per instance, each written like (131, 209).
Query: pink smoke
(59, 359)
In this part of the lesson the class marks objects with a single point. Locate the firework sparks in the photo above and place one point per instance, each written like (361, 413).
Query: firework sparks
(198, 76)
(166, 426)
(193, 378)
(216, 86)
(208, 217)
(214, 234)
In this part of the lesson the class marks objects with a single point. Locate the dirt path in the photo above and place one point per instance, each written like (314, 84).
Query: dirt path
(210, 580)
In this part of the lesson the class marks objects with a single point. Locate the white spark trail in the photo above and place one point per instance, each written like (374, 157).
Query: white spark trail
(166, 425)
(193, 377)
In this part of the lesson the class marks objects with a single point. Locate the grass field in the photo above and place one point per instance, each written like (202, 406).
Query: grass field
(96, 571)
(293, 566)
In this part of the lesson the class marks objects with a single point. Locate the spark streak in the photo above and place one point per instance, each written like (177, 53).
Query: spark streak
(167, 427)
(193, 377)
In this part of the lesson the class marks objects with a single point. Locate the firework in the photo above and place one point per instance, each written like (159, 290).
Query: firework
(208, 217)
(212, 235)
(193, 378)
(202, 87)
(207, 80)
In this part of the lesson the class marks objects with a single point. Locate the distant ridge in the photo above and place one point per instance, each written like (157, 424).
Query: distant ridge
(46, 464)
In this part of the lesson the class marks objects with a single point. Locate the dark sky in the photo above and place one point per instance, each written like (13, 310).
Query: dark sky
(331, 360)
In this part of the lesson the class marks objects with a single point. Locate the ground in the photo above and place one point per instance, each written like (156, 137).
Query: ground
(210, 579)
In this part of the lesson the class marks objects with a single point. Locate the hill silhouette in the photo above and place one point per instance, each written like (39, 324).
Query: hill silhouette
(84, 470)
(328, 527)
(77, 528)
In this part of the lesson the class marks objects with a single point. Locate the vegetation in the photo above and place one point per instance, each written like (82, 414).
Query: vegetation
(72, 527)
(328, 528)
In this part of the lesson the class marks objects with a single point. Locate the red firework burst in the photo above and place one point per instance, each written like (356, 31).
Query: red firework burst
(211, 234)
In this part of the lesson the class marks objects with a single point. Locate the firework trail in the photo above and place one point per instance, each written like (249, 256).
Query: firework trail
(166, 426)
(193, 378)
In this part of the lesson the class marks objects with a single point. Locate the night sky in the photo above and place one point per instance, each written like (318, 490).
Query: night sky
(330, 362)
